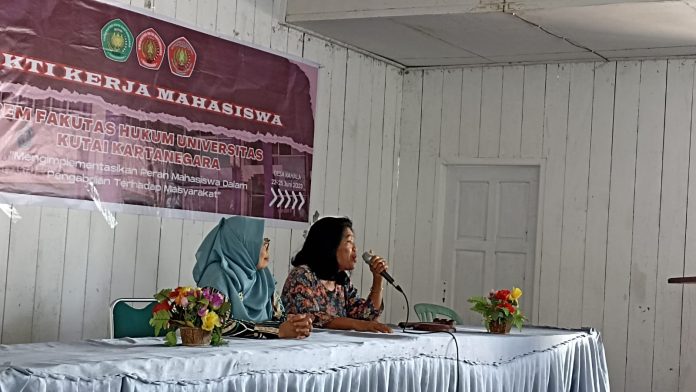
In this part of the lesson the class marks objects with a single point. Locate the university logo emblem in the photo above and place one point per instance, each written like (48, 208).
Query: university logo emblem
(182, 57)
(150, 49)
(117, 40)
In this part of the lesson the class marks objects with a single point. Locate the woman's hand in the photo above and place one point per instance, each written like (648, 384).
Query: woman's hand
(373, 326)
(377, 266)
(297, 326)
(346, 323)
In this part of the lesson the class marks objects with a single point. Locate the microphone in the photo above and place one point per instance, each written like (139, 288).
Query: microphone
(367, 256)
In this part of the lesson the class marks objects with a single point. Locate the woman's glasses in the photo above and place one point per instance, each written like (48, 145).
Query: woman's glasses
(267, 243)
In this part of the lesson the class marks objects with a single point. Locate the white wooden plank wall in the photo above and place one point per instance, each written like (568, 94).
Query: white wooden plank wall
(598, 195)
(620, 226)
(575, 194)
(470, 116)
(687, 373)
(373, 197)
(21, 277)
(49, 272)
(98, 282)
(554, 150)
(646, 227)
(402, 263)
(123, 267)
(511, 121)
(669, 372)
(74, 276)
(618, 216)
(389, 177)
(429, 150)
(60, 268)
(362, 156)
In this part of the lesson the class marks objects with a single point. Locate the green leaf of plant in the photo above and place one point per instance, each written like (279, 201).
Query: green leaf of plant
(162, 295)
(160, 321)
(225, 308)
(170, 338)
(216, 339)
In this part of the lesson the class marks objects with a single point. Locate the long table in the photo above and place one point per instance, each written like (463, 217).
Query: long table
(536, 359)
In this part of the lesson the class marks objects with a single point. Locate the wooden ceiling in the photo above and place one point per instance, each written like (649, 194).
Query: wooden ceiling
(484, 32)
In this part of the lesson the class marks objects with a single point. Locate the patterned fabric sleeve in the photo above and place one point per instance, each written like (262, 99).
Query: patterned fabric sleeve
(251, 330)
(360, 308)
(264, 330)
(278, 309)
(302, 295)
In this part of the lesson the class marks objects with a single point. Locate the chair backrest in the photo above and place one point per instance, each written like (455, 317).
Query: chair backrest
(427, 312)
(130, 321)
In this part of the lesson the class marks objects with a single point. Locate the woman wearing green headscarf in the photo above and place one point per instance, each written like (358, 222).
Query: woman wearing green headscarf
(233, 259)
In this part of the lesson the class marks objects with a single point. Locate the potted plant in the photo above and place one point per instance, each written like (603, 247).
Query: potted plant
(500, 310)
(199, 314)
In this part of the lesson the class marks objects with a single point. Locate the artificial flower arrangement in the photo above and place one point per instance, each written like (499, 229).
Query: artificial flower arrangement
(500, 309)
(193, 307)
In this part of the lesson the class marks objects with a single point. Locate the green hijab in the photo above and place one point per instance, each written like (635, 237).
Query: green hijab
(226, 261)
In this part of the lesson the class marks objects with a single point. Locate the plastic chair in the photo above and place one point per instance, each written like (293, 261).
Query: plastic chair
(128, 321)
(427, 312)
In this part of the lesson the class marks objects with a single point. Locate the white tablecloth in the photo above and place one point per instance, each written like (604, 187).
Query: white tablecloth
(536, 359)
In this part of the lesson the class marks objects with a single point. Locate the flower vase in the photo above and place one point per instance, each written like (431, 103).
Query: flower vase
(499, 326)
(195, 336)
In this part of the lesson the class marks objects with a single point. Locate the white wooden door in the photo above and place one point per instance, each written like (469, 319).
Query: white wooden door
(489, 233)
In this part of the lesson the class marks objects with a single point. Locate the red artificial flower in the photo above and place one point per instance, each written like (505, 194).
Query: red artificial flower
(507, 306)
(164, 305)
(502, 295)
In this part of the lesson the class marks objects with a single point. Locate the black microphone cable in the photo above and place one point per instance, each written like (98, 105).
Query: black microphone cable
(367, 256)
(454, 338)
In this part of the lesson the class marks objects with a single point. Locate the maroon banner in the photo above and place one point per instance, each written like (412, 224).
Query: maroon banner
(100, 100)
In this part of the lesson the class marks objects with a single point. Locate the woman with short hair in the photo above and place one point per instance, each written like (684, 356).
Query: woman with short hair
(320, 286)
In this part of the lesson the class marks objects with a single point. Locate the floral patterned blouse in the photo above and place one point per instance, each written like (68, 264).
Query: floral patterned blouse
(304, 293)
